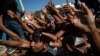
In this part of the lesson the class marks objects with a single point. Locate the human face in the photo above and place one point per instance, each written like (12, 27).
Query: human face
(37, 46)
(10, 13)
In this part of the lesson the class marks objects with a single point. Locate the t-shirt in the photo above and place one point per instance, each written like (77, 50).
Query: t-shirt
(31, 53)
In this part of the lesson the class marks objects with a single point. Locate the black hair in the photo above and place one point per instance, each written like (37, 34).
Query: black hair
(10, 5)
(37, 36)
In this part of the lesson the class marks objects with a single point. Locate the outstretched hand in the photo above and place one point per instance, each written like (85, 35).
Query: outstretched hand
(56, 41)
(89, 15)
(78, 19)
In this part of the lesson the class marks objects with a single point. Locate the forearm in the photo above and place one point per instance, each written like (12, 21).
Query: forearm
(41, 21)
(60, 33)
(10, 43)
(36, 25)
(51, 36)
(57, 20)
(18, 44)
(27, 28)
(10, 33)
(90, 19)
(96, 36)
(58, 14)
(24, 26)
(83, 27)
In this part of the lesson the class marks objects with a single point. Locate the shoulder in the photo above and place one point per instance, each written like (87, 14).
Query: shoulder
(47, 54)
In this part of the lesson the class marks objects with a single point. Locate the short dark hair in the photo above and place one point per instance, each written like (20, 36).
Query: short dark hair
(37, 36)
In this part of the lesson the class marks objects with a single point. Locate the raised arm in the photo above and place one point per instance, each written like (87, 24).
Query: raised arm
(18, 42)
(10, 33)
(39, 20)
(76, 21)
(57, 13)
(24, 26)
(14, 43)
(32, 20)
(56, 41)
(92, 26)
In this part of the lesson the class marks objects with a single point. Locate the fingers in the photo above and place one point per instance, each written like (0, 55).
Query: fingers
(74, 9)
(70, 10)
(89, 15)
(86, 9)
(60, 33)
(70, 16)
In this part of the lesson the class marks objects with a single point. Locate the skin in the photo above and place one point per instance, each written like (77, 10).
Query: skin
(37, 46)
(20, 43)
(32, 21)
(91, 24)
(24, 25)
(90, 27)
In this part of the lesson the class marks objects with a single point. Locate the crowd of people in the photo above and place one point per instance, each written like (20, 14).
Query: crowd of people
(65, 31)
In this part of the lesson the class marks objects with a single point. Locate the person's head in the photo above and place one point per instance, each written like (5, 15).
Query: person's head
(39, 42)
(10, 13)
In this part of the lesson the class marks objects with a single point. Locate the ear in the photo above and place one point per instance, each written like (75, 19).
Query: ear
(32, 44)
(45, 45)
